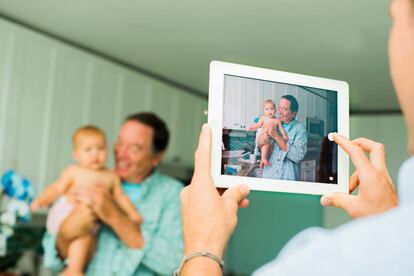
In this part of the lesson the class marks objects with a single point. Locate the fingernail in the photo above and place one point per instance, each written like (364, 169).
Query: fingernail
(245, 190)
(205, 127)
(326, 201)
(330, 136)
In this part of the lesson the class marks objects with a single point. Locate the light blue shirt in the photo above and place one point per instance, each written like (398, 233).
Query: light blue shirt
(376, 245)
(158, 201)
(285, 164)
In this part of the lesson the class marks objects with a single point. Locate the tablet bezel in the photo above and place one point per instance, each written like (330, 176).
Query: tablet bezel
(218, 70)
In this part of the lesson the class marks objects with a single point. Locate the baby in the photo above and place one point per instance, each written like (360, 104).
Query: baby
(90, 152)
(268, 118)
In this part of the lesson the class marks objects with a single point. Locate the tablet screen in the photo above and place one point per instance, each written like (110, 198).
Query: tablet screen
(275, 130)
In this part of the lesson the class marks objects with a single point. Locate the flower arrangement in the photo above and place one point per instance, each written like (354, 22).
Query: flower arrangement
(16, 194)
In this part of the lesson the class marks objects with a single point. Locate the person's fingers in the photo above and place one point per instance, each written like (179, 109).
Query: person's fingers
(339, 200)
(203, 155)
(237, 193)
(244, 203)
(357, 155)
(353, 181)
(376, 152)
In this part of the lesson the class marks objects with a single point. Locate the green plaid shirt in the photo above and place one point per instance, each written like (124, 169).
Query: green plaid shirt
(159, 204)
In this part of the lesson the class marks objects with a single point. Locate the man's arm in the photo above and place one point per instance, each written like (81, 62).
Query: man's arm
(103, 203)
(125, 204)
(272, 132)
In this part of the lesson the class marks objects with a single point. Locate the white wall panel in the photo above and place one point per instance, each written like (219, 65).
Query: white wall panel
(48, 89)
(7, 43)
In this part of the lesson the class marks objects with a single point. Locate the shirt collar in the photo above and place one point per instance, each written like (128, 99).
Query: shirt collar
(289, 125)
(405, 181)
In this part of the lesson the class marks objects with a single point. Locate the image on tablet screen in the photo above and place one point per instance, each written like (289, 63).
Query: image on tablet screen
(277, 130)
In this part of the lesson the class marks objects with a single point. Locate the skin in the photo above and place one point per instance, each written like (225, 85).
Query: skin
(376, 191)
(202, 203)
(135, 160)
(285, 116)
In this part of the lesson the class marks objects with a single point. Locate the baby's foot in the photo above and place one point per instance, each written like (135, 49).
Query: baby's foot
(264, 162)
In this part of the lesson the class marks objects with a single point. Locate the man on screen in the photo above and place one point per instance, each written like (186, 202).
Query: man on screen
(286, 156)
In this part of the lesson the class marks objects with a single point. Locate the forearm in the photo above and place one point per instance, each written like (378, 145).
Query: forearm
(127, 230)
(255, 126)
(279, 140)
(49, 196)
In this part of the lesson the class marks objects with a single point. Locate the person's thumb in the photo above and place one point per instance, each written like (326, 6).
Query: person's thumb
(237, 193)
(339, 200)
(203, 155)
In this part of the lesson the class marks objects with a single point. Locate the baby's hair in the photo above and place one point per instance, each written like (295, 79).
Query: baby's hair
(269, 101)
(88, 130)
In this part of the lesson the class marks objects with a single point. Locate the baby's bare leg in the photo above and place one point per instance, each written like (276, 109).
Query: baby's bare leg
(265, 154)
(79, 253)
(262, 140)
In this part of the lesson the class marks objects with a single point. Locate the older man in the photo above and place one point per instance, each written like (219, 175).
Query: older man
(286, 156)
(381, 242)
(124, 248)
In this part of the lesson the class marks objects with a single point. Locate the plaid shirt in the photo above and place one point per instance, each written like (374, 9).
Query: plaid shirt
(159, 204)
(285, 164)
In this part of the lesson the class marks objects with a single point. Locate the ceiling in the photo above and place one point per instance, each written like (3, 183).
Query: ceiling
(176, 40)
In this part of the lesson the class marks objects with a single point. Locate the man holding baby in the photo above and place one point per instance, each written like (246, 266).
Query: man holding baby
(124, 247)
(287, 154)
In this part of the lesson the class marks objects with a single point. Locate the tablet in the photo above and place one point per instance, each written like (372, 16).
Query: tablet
(270, 130)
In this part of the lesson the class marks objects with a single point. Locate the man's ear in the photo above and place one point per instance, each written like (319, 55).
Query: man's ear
(158, 158)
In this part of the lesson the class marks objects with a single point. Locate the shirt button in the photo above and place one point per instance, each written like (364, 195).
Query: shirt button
(278, 159)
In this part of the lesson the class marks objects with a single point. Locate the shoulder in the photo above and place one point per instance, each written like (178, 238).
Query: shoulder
(299, 125)
(71, 170)
(170, 181)
(166, 184)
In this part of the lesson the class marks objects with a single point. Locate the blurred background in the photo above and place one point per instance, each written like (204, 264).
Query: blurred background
(68, 63)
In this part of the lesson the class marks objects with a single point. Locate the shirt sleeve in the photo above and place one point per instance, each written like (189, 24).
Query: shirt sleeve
(51, 259)
(374, 245)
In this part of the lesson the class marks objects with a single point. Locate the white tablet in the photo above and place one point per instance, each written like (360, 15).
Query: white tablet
(270, 130)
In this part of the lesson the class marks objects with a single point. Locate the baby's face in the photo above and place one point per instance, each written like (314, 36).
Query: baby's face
(269, 110)
(91, 152)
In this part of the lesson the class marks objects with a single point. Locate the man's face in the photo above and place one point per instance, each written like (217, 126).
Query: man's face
(401, 53)
(134, 158)
(285, 115)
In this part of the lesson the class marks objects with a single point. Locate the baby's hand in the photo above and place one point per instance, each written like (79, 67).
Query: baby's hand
(36, 205)
(136, 218)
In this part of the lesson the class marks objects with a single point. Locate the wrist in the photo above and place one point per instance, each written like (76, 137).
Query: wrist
(200, 262)
(211, 247)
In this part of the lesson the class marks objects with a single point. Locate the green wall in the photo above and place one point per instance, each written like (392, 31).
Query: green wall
(266, 225)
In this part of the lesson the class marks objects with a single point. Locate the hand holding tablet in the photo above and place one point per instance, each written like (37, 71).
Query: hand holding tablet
(291, 116)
